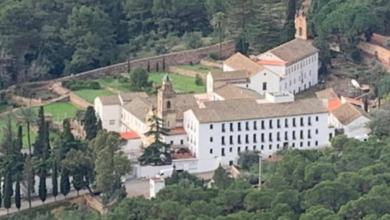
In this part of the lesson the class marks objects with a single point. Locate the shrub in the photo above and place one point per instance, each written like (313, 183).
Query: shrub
(75, 85)
(214, 56)
(198, 80)
(123, 79)
(94, 85)
(139, 79)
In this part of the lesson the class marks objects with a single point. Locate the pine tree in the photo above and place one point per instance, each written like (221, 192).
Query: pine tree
(7, 190)
(17, 194)
(90, 123)
(64, 182)
(54, 179)
(221, 178)
(264, 33)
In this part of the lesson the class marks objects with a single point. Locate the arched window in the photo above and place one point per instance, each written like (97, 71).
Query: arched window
(300, 31)
(169, 104)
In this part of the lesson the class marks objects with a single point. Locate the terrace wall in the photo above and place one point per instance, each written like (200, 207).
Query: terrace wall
(380, 53)
(179, 58)
(25, 101)
(186, 72)
(211, 64)
(73, 98)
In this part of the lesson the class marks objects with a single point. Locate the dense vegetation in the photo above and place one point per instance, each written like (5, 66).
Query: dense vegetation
(349, 181)
(47, 39)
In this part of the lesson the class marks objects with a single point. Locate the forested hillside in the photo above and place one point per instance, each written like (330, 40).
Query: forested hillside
(42, 39)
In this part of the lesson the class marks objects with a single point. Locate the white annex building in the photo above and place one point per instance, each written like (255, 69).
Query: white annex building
(248, 106)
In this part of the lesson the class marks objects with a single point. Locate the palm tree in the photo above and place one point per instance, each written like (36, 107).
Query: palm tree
(28, 118)
(219, 22)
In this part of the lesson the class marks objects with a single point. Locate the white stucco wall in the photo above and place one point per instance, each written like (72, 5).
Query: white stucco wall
(109, 115)
(207, 144)
(265, 76)
(176, 139)
(357, 127)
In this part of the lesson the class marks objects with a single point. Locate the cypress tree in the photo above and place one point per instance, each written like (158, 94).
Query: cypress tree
(78, 182)
(1, 195)
(65, 184)
(99, 126)
(148, 67)
(17, 194)
(7, 190)
(163, 65)
(54, 179)
(90, 123)
(289, 27)
(28, 176)
(40, 141)
(42, 187)
(157, 67)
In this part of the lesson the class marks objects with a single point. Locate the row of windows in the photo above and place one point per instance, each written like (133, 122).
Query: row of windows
(300, 65)
(262, 147)
(277, 123)
(271, 137)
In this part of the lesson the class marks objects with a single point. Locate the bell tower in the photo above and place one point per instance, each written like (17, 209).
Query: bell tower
(166, 103)
(301, 25)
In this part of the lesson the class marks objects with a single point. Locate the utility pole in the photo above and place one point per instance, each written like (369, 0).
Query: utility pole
(260, 161)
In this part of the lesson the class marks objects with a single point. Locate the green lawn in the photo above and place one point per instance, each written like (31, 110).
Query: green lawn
(91, 94)
(115, 84)
(199, 68)
(181, 83)
(59, 112)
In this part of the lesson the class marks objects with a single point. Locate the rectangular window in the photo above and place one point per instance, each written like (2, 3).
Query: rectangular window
(294, 125)
(262, 137)
(278, 123)
(231, 139)
(301, 134)
(255, 125)
(293, 144)
(316, 131)
(211, 139)
(231, 149)
(239, 126)
(277, 146)
(301, 144)
(211, 151)
(262, 147)
(223, 140)
(270, 124)
(316, 118)
(309, 134)
(270, 147)
(247, 125)
(231, 127)
(112, 122)
(223, 152)
(211, 126)
(239, 139)
(223, 127)
(181, 142)
(302, 122)
(262, 124)
(309, 121)
(286, 123)
(254, 138)
(285, 135)
(293, 135)
(171, 142)
(270, 137)
(239, 149)
(246, 148)
(264, 86)
(308, 143)
(316, 143)
(278, 136)
(247, 139)
(254, 147)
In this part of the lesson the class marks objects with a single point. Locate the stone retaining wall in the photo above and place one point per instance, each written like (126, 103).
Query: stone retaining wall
(380, 53)
(179, 58)
(25, 101)
(211, 64)
(186, 72)
(73, 98)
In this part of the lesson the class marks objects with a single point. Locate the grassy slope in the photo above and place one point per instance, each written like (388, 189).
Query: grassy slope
(58, 111)
(180, 83)
(199, 68)
(91, 94)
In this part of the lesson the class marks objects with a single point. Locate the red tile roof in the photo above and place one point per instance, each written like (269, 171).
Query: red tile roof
(130, 135)
(333, 104)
